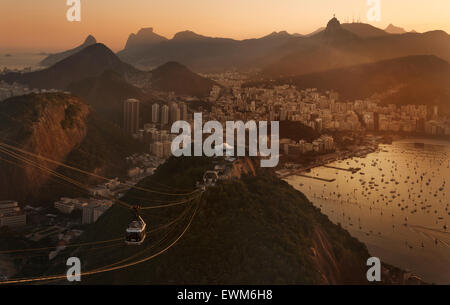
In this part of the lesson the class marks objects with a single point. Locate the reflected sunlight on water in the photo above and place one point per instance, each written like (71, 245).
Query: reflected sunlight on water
(397, 204)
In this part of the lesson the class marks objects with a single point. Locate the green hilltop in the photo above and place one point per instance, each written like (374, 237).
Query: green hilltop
(255, 230)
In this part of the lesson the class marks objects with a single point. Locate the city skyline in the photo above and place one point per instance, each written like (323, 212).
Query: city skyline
(43, 26)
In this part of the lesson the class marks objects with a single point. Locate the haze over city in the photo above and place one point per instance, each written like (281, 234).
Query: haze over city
(42, 25)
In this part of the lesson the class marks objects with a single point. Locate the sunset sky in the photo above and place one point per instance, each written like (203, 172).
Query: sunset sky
(42, 25)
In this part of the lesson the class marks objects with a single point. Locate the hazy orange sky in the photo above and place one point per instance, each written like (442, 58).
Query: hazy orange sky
(42, 25)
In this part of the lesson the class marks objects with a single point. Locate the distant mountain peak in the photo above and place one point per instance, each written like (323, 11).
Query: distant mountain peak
(171, 65)
(187, 35)
(392, 29)
(173, 76)
(145, 31)
(144, 38)
(333, 24)
(275, 33)
(278, 34)
(90, 61)
(54, 58)
(98, 46)
(90, 40)
(336, 33)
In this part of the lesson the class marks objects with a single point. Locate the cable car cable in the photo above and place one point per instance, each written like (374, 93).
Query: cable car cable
(28, 280)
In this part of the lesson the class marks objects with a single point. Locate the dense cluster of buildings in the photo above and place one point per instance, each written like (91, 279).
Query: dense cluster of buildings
(407, 118)
(11, 214)
(323, 144)
(10, 90)
(16, 89)
(142, 165)
(282, 103)
(227, 79)
(158, 140)
(318, 110)
(102, 195)
(91, 208)
(156, 134)
(323, 111)
(164, 115)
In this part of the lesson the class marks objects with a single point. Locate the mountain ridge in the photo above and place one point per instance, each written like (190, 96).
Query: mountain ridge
(392, 29)
(314, 54)
(106, 94)
(281, 53)
(173, 76)
(90, 61)
(198, 51)
(254, 230)
(239, 235)
(52, 59)
(420, 79)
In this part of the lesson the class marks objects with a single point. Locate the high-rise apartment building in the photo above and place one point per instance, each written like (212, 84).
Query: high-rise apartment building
(183, 111)
(131, 116)
(155, 113)
(165, 115)
(174, 113)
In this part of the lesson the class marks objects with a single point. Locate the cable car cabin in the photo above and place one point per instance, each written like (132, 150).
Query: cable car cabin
(135, 234)
(210, 178)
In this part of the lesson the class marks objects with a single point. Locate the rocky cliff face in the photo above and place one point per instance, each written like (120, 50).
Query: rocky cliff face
(50, 125)
(347, 269)
(145, 38)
